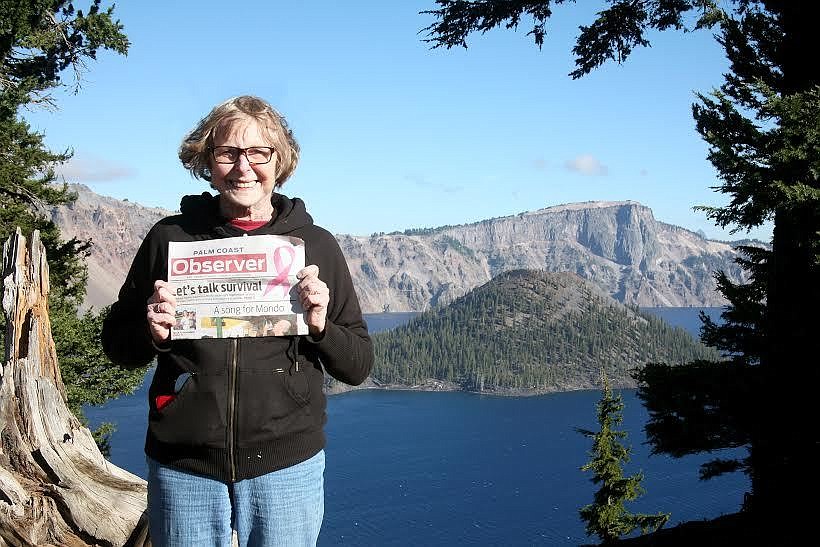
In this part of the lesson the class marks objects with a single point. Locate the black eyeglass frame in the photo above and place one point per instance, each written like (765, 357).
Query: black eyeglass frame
(242, 151)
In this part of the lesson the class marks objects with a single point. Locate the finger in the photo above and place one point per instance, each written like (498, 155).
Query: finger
(315, 313)
(311, 282)
(158, 309)
(160, 333)
(315, 287)
(160, 283)
(163, 292)
(159, 323)
(161, 313)
(160, 336)
(317, 297)
(165, 295)
(313, 301)
(316, 319)
(308, 271)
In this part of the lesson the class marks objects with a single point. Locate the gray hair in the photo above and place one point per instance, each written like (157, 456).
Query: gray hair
(195, 154)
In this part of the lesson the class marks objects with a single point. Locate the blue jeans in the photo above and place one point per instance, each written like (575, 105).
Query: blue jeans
(281, 509)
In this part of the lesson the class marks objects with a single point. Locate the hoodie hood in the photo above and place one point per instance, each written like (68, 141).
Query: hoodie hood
(290, 214)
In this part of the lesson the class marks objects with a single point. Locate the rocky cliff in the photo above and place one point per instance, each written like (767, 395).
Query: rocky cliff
(619, 246)
(116, 228)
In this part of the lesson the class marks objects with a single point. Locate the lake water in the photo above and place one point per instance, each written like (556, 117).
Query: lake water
(413, 468)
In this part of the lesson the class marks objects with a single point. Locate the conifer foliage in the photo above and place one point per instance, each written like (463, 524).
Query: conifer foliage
(607, 516)
(533, 331)
(762, 126)
(41, 41)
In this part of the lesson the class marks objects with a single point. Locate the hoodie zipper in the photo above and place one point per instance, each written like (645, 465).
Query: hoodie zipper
(232, 387)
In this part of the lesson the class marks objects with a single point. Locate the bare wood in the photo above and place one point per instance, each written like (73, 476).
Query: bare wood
(56, 488)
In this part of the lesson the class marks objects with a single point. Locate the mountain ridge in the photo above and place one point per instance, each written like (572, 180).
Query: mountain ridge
(619, 246)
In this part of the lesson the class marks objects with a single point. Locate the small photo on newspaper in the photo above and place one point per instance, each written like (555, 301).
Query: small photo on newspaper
(237, 287)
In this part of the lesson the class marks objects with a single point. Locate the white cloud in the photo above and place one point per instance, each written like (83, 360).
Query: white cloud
(586, 164)
(540, 164)
(441, 187)
(93, 170)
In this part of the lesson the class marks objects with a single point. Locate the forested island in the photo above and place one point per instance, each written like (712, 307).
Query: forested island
(528, 332)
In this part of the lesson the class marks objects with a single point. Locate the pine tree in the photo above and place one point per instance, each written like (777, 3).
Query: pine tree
(763, 130)
(607, 516)
(39, 42)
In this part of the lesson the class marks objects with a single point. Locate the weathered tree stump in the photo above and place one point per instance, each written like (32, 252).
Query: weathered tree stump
(56, 488)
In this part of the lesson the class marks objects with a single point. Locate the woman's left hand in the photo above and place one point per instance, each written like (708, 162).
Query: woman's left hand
(315, 297)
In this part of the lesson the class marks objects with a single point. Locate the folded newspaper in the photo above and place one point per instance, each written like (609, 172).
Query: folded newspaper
(237, 287)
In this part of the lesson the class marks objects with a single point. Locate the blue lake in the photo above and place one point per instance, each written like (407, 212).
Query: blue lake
(413, 468)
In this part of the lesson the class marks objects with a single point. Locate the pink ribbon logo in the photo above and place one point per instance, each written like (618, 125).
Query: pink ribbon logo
(282, 270)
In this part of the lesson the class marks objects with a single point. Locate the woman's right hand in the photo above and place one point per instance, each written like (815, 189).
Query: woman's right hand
(160, 308)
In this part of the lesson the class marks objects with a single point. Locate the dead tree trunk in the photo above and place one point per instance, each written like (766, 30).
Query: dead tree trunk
(55, 486)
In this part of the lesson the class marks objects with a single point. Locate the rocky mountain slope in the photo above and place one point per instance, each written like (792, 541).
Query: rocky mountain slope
(619, 246)
(116, 229)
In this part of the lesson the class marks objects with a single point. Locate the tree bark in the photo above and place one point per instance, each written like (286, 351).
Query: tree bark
(56, 488)
(787, 448)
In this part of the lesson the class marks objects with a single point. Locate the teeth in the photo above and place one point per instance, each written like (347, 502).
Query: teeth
(244, 184)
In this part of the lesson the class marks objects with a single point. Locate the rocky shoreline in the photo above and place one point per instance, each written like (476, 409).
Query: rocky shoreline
(434, 385)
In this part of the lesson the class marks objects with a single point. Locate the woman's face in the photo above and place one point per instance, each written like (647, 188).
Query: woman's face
(244, 188)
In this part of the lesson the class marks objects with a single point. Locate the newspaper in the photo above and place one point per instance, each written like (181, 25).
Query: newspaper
(237, 287)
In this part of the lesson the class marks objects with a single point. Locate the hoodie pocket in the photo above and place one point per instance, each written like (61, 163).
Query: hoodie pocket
(273, 404)
(196, 416)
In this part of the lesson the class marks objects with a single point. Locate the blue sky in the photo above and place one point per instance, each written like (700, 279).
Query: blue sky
(395, 135)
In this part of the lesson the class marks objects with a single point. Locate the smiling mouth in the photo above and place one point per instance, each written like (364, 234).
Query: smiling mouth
(236, 185)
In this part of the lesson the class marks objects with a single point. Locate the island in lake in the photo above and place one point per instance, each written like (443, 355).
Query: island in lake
(528, 332)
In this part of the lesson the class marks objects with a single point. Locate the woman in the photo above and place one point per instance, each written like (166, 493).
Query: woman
(235, 431)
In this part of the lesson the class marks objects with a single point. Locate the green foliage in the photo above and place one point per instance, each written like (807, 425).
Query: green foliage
(89, 377)
(529, 330)
(741, 335)
(420, 231)
(607, 516)
(457, 246)
(772, 155)
(701, 406)
(39, 41)
(42, 38)
(763, 130)
(616, 31)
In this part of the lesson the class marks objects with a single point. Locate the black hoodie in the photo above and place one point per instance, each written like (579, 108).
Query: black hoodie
(250, 405)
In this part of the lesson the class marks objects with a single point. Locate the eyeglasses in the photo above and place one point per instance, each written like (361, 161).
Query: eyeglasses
(230, 154)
